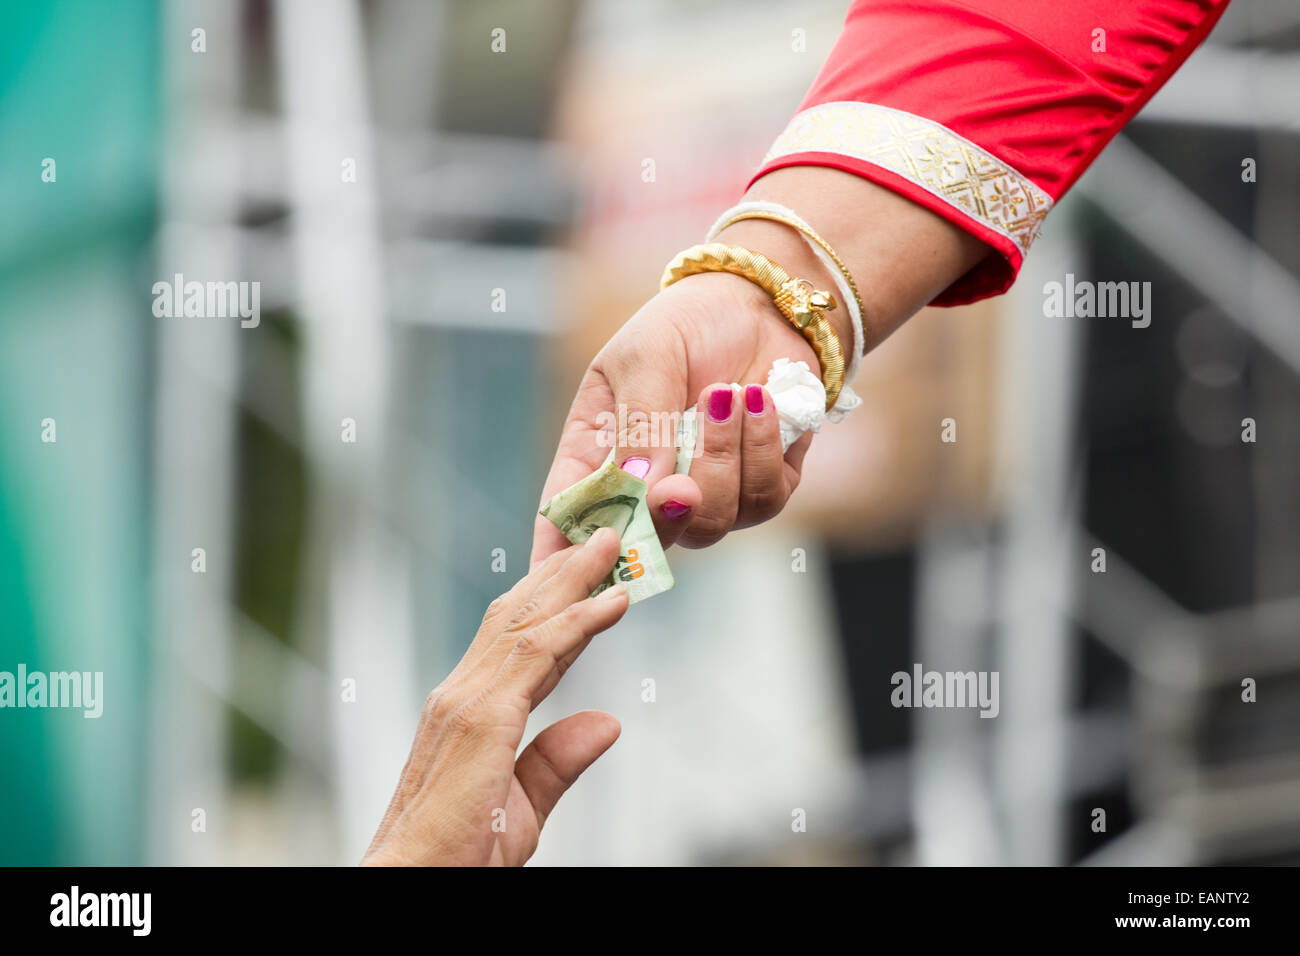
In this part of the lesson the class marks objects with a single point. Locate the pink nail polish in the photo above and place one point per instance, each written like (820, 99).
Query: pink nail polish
(637, 467)
(720, 405)
(754, 399)
(673, 509)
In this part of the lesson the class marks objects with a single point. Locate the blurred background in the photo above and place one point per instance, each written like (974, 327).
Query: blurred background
(449, 206)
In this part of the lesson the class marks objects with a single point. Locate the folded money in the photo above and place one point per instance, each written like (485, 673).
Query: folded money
(611, 498)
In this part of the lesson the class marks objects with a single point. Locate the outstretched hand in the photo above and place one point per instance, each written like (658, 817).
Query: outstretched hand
(464, 798)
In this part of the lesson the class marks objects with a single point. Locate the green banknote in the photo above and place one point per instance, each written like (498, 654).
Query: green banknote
(611, 498)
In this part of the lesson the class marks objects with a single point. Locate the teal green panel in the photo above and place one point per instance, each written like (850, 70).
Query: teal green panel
(79, 84)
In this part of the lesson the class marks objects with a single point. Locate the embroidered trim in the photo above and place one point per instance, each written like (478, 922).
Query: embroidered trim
(933, 157)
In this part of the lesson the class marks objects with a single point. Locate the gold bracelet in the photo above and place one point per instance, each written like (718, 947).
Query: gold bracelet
(796, 299)
(808, 231)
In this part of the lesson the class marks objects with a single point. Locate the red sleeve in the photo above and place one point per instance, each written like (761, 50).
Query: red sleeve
(987, 111)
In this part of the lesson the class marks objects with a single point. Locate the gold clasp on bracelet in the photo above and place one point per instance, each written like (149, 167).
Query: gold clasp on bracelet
(806, 300)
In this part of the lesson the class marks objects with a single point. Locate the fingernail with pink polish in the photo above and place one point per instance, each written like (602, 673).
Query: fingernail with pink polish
(720, 405)
(637, 467)
(673, 509)
(754, 399)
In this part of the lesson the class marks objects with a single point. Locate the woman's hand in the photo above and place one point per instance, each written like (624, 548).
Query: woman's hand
(464, 798)
(708, 330)
(685, 346)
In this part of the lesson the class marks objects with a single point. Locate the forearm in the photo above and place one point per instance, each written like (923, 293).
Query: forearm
(901, 254)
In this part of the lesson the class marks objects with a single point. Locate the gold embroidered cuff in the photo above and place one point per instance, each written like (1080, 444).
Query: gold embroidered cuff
(948, 166)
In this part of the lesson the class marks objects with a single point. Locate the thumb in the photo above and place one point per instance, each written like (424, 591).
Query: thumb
(558, 756)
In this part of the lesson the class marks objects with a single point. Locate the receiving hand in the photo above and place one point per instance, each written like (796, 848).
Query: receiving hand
(464, 798)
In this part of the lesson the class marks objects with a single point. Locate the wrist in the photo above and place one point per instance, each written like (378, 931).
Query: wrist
(901, 254)
(787, 248)
(731, 294)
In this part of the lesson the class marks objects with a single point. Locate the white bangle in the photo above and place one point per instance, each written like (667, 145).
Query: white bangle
(847, 295)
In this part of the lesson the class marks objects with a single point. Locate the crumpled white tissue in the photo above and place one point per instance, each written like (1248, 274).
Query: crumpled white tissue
(800, 400)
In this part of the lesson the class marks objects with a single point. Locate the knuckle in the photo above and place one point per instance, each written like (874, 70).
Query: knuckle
(708, 529)
(717, 515)
(536, 644)
(524, 616)
(567, 620)
(495, 610)
(719, 447)
(762, 440)
(430, 708)
(438, 706)
(760, 506)
(719, 444)
(528, 644)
